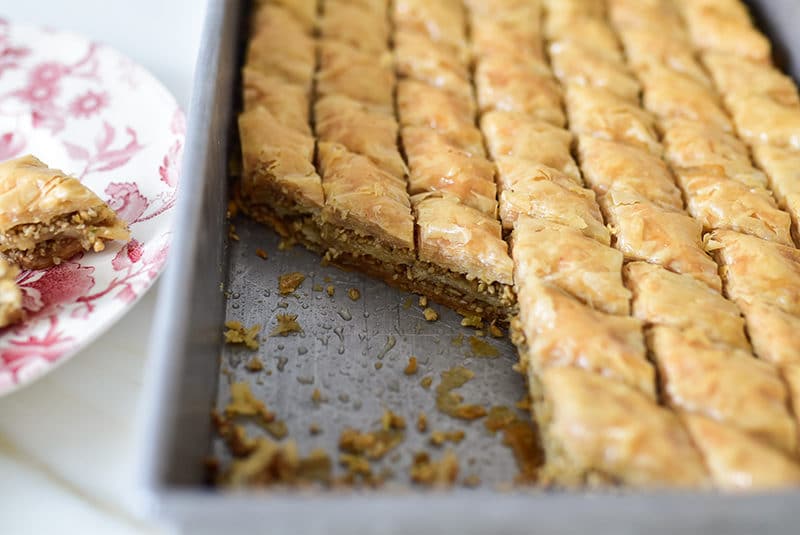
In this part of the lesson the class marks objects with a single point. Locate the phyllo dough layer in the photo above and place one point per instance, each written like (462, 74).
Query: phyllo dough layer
(608, 166)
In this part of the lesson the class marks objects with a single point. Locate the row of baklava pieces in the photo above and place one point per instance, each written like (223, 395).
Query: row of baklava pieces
(762, 101)
(573, 304)
(765, 107)
(363, 173)
(690, 365)
(760, 265)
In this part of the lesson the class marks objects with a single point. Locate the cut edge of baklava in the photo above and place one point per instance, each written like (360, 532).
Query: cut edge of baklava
(49, 216)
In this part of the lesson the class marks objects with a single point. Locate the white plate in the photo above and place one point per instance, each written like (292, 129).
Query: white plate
(87, 109)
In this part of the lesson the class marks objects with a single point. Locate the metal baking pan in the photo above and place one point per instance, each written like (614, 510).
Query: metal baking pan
(211, 278)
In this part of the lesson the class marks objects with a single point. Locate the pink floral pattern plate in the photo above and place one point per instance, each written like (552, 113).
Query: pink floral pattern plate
(84, 108)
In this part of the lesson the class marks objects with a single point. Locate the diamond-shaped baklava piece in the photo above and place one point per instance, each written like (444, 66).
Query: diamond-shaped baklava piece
(599, 431)
(725, 384)
(564, 257)
(661, 297)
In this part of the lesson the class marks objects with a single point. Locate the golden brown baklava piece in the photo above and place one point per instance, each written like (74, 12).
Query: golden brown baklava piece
(725, 384)
(638, 15)
(564, 257)
(608, 165)
(461, 239)
(758, 270)
(670, 95)
(733, 10)
(10, 295)
(362, 197)
(356, 25)
(443, 22)
(287, 102)
(737, 77)
(737, 461)
(367, 219)
(762, 120)
(280, 46)
(646, 48)
(438, 166)
(528, 88)
(276, 166)
(643, 231)
(588, 33)
(349, 72)
(597, 430)
(773, 332)
(450, 115)
(47, 216)
(719, 203)
(514, 134)
(599, 113)
(279, 185)
(574, 16)
(661, 297)
(304, 11)
(782, 168)
(536, 190)
(507, 30)
(560, 331)
(350, 123)
(462, 258)
(725, 29)
(418, 57)
(585, 66)
(520, 82)
(693, 145)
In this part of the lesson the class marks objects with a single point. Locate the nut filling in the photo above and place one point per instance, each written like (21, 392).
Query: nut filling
(38, 245)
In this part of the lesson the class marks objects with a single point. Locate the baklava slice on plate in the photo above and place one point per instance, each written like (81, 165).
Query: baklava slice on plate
(47, 216)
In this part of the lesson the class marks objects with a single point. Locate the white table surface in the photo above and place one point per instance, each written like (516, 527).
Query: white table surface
(66, 442)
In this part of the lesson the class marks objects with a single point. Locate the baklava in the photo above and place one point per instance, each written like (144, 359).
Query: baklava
(48, 216)
(615, 178)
